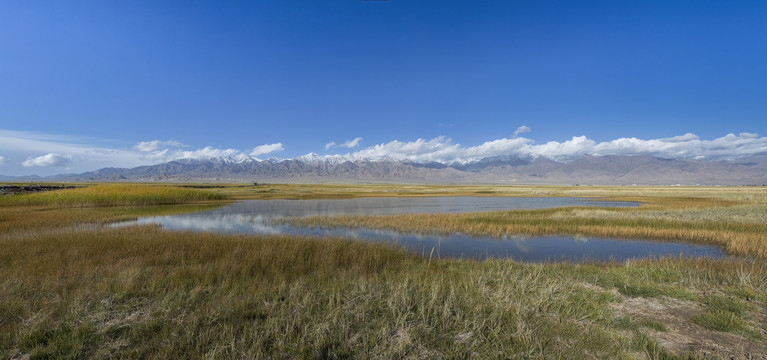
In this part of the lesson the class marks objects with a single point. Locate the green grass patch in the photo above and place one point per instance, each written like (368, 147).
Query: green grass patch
(727, 314)
(730, 304)
(655, 325)
(720, 320)
(651, 350)
(746, 293)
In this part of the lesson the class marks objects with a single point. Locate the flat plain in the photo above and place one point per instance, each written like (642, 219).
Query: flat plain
(73, 287)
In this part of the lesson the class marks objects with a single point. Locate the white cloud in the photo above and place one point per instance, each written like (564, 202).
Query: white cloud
(161, 151)
(352, 143)
(442, 149)
(681, 138)
(520, 130)
(48, 160)
(575, 147)
(266, 149)
(83, 155)
(157, 151)
(687, 146)
(44, 152)
(151, 146)
(205, 152)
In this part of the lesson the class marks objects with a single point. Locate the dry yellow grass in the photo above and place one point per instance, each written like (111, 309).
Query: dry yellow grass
(732, 218)
(113, 195)
(71, 288)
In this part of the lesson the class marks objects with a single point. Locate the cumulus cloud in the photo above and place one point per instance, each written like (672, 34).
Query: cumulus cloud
(438, 149)
(442, 149)
(155, 145)
(352, 143)
(575, 147)
(690, 146)
(687, 146)
(266, 149)
(161, 151)
(82, 155)
(48, 160)
(520, 130)
(205, 152)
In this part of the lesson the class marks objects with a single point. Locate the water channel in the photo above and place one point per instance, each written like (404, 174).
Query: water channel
(257, 217)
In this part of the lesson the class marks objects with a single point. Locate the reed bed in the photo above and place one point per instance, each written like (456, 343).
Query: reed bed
(737, 226)
(97, 205)
(737, 239)
(113, 195)
(666, 194)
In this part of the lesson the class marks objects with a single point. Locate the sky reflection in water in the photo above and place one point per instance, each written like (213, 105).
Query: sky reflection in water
(254, 217)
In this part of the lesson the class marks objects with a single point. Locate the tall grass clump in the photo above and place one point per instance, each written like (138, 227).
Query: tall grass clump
(114, 195)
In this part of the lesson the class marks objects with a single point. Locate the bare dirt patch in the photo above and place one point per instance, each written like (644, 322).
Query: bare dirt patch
(682, 335)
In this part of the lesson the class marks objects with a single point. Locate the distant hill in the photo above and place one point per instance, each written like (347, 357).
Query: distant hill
(587, 170)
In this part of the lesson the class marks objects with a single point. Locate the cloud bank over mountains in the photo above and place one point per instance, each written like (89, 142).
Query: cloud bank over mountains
(44, 154)
(687, 146)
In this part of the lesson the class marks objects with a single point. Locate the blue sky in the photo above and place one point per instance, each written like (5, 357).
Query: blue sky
(89, 84)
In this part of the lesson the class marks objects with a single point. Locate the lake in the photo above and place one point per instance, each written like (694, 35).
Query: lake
(256, 217)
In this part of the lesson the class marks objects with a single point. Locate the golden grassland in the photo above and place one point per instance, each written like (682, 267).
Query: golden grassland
(733, 218)
(667, 195)
(740, 238)
(72, 288)
(114, 195)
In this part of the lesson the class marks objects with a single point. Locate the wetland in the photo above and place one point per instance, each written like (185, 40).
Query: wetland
(73, 286)
(273, 217)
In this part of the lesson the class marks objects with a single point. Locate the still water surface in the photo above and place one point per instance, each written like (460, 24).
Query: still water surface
(256, 217)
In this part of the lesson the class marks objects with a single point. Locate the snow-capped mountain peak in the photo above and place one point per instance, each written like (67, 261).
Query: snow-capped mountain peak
(315, 159)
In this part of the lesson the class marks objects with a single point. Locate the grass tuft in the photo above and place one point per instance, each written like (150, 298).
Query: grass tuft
(720, 320)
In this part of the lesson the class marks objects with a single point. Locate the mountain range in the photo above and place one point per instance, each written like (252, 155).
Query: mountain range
(507, 169)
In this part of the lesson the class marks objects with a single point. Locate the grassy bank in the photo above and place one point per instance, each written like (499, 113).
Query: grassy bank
(97, 204)
(740, 238)
(113, 195)
(733, 218)
(144, 292)
(75, 290)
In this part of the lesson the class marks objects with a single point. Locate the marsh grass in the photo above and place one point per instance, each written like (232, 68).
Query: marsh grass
(736, 237)
(666, 197)
(71, 288)
(113, 195)
(145, 292)
(98, 204)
